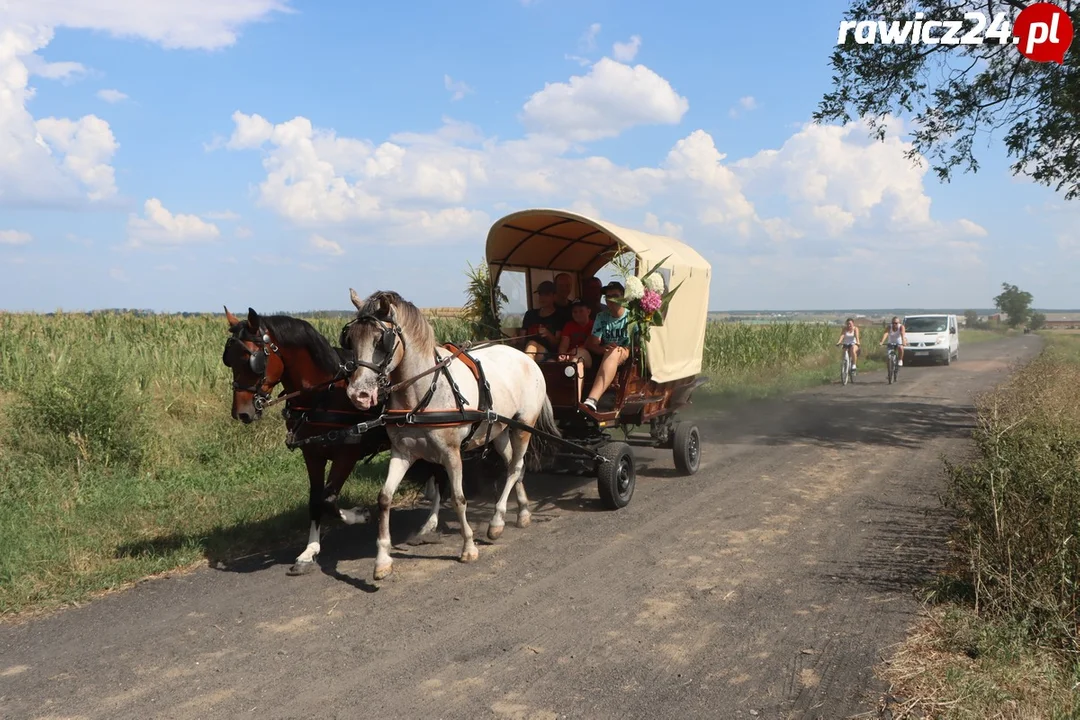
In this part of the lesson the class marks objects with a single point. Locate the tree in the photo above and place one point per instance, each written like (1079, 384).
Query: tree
(1015, 303)
(971, 318)
(484, 305)
(960, 91)
(1038, 321)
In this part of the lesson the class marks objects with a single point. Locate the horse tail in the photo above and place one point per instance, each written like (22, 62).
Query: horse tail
(541, 446)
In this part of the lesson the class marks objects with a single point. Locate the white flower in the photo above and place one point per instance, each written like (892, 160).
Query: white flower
(634, 288)
(655, 283)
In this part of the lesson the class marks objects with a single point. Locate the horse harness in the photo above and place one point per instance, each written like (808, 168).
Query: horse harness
(420, 415)
(257, 362)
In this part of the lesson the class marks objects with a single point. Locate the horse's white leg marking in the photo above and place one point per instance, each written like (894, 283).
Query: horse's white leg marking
(452, 464)
(495, 527)
(398, 467)
(354, 516)
(313, 546)
(519, 441)
(431, 492)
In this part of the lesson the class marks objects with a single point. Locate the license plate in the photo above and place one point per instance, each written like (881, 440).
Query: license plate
(921, 352)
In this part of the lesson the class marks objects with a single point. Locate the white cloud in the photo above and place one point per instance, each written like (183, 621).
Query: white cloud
(627, 51)
(971, 228)
(52, 161)
(192, 24)
(37, 65)
(457, 88)
(828, 197)
(161, 227)
(14, 237)
(88, 145)
(243, 233)
(587, 43)
(611, 98)
(746, 103)
(67, 162)
(653, 224)
(222, 215)
(327, 247)
(111, 96)
(118, 274)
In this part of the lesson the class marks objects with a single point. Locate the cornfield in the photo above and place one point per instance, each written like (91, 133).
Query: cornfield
(170, 354)
(119, 457)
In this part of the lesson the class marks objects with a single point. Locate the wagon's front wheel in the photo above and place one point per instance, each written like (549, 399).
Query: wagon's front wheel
(615, 478)
(687, 448)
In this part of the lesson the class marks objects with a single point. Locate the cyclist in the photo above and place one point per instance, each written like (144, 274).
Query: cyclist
(849, 338)
(897, 338)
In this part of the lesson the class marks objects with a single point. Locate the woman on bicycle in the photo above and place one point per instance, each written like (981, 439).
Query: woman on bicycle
(849, 338)
(897, 338)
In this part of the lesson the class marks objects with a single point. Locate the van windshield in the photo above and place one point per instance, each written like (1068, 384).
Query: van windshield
(926, 324)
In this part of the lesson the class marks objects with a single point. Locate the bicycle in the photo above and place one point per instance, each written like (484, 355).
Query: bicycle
(892, 367)
(846, 371)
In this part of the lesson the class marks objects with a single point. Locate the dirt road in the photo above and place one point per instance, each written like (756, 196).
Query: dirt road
(767, 586)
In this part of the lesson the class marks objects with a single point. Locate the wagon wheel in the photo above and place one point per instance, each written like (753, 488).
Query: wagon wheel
(615, 478)
(687, 448)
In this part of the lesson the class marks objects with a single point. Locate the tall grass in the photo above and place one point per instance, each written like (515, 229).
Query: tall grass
(1019, 501)
(1001, 637)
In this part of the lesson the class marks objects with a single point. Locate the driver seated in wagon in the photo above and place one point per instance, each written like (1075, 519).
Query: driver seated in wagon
(609, 342)
(542, 324)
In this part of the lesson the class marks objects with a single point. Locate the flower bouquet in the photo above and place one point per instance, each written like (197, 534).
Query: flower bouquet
(646, 302)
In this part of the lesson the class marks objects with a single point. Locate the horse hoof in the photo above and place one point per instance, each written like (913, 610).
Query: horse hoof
(354, 516)
(524, 521)
(495, 531)
(301, 568)
(469, 556)
(383, 571)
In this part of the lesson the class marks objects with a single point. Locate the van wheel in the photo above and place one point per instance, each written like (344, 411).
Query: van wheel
(948, 359)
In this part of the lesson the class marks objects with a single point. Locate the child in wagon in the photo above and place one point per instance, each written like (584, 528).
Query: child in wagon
(573, 337)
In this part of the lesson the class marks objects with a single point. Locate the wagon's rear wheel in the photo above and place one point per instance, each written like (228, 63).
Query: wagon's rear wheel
(687, 448)
(615, 478)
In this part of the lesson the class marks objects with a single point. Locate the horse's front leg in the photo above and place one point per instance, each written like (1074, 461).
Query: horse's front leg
(316, 470)
(339, 472)
(399, 465)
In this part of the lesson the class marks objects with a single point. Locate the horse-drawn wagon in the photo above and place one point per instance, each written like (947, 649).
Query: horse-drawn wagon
(660, 375)
(484, 396)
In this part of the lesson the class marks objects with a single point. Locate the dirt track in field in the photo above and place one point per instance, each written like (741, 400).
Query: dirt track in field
(767, 586)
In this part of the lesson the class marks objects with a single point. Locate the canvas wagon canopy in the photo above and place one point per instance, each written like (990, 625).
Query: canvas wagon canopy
(563, 241)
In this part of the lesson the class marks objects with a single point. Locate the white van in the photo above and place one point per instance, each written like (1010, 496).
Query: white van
(932, 337)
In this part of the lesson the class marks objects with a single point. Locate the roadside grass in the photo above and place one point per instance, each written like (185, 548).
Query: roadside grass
(1000, 637)
(118, 458)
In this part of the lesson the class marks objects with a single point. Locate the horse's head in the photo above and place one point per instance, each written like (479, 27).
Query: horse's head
(252, 355)
(376, 345)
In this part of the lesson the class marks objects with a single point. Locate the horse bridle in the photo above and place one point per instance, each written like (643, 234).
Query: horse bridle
(391, 336)
(257, 363)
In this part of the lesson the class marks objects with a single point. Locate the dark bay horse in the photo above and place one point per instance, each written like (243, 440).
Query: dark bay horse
(265, 351)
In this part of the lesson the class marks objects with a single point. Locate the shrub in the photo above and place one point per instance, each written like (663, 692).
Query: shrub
(81, 414)
(1019, 501)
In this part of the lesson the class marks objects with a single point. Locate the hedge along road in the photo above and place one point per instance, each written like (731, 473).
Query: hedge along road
(772, 581)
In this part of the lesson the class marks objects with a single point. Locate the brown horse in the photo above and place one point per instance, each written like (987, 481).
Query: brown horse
(264, 352)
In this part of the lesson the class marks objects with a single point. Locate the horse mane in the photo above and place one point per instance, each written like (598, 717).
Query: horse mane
(288, 330)
(406, 315)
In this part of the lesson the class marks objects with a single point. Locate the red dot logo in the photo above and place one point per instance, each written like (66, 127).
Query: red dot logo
(1043, 33)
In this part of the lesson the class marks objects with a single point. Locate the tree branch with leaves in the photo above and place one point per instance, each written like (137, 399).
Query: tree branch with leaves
(962, 94)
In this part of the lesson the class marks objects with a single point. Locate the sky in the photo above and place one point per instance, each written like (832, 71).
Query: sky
(182, 156)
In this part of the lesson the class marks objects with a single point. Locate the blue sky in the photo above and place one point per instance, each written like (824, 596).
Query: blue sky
(271, 154)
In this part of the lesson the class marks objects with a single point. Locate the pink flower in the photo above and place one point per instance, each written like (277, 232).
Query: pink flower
(650, 302)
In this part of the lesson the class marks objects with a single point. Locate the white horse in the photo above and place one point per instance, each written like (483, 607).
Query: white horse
(393, 342)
